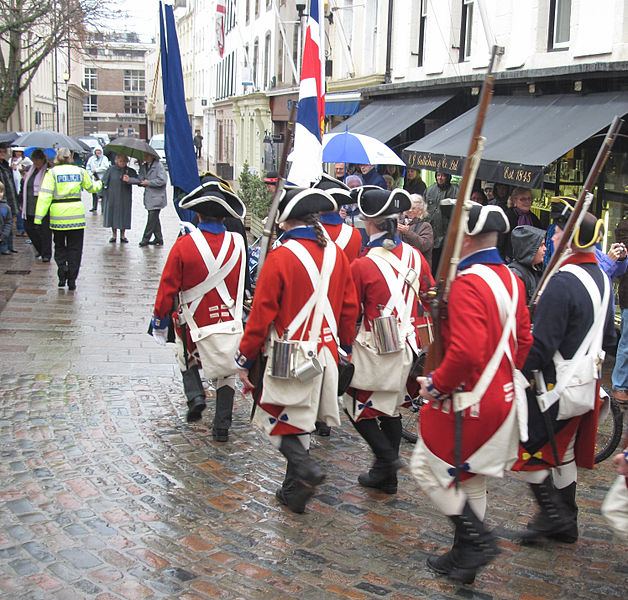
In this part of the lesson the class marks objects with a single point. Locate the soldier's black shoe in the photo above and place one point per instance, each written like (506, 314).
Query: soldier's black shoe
(195, 409)
(220, 435)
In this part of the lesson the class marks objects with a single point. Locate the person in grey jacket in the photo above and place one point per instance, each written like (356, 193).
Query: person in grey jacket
(153, 178)
(528, 249)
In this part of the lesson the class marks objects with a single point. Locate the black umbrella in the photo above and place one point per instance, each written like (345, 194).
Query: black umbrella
(131, 146)
(8, 137)
(48, 139)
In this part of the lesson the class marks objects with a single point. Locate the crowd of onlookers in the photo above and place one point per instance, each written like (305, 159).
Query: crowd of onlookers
(20, 181)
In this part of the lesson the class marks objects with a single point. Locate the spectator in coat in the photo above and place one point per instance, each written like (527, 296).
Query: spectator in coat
(10, 195)
(416, 231)
(40, 235)
(443, 188)
(528, 249)
(518, 214)
(370, 176)
(117, 198)
(413, 184)
(6, 222)
(620, 371)
(97, 166)
(153, 178)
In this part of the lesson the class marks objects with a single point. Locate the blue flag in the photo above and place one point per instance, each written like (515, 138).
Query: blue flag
(180, 152)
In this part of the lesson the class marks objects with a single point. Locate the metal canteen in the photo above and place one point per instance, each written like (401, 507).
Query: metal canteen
(386, 334)
(283, 351)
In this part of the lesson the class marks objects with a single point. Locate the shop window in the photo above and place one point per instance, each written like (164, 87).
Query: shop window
(559, 25)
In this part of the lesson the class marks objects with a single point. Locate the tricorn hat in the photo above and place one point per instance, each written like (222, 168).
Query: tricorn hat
(486, 219)
(591, 229)
(374, 201)
(214, 198)
(340, 191)
(297, 202)
(562, 207)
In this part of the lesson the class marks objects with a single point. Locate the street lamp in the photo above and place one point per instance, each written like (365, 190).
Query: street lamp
(66, 79)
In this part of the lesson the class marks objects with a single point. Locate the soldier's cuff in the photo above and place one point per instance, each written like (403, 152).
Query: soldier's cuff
(243, 362)
(435, 392)
(160, 323)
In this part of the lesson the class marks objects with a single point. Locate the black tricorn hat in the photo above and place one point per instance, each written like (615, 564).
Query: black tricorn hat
(562, 207)
(214, 198)
(340, 191)
(591, 229)
(486, 219)
(297, 202)
(373, 201)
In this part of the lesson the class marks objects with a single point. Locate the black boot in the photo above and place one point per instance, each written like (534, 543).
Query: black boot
(383, 474)
(570, 534)
(474, 546)
(287, 487)
(222, 416)
(303, 470)
(553, 516)
(194, 392)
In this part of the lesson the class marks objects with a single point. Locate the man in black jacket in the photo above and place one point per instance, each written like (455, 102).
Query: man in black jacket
(10, 195)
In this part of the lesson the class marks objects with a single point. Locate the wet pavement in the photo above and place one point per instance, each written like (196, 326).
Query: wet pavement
(106, 492)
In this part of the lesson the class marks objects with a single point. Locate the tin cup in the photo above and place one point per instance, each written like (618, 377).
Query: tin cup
(309, 369)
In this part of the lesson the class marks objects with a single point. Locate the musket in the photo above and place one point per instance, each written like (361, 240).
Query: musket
(281, 182)
(450, 256)
(579, 210)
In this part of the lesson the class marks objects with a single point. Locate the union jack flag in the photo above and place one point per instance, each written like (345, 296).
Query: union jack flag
(307, 155)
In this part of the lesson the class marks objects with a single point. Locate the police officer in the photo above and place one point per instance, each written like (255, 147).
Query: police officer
(60, 194)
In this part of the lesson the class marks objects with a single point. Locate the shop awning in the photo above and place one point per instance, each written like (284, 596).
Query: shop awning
(384, 119)
(524, 134)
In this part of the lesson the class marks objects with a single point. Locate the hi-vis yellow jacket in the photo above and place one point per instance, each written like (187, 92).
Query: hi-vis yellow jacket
(60, 193)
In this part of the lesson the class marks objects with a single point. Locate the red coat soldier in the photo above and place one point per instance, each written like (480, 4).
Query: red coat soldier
(389, 279)
(205, 272)
(305, 304)
(486, 335)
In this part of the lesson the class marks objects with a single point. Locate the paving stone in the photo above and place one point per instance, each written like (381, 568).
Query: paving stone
(79, 558)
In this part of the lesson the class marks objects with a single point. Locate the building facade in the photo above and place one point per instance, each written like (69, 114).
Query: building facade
(114, 79)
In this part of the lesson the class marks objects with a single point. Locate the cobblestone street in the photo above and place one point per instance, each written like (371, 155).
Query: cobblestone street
(107, 493)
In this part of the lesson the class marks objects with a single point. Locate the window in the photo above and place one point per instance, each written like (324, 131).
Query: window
(91, 103)
(267, 60)
(466, 30)
(133, 105)
(422, 19)
(255, 61)
(559, 24)
(257, 8)
(90, 82)
(247, 10)
(133, 81)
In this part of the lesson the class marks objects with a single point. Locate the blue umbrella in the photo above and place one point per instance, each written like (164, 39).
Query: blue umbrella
(49, 152)
(357, 149)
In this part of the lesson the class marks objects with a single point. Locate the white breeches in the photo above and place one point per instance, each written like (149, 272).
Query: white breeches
(448, 500)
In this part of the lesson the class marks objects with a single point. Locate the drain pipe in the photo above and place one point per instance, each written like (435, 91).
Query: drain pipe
(387, 75)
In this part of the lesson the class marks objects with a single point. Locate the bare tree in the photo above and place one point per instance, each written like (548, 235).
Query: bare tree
(30, 30)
